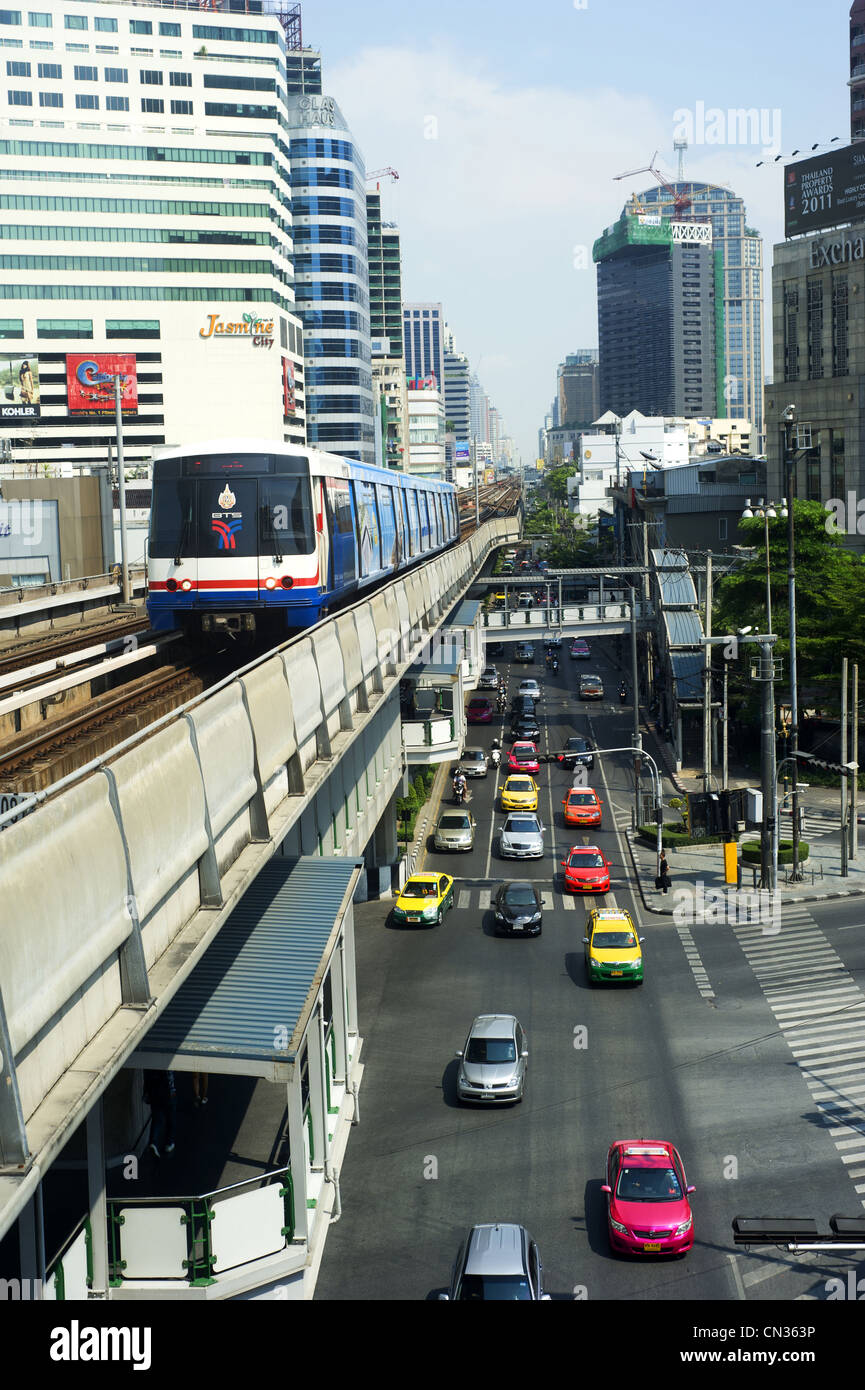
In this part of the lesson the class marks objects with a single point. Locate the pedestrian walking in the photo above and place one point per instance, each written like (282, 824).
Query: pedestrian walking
(161, 1096)
(663, 879)
(199, 1088)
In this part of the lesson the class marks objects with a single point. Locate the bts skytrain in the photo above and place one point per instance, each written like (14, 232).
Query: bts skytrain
(255, 536)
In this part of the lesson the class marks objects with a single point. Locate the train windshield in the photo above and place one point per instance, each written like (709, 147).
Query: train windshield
(238, 506)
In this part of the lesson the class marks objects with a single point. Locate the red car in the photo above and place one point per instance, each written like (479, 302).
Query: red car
(523, 757)
(648, 1211)
(479, 712)
(586, 870)
(582, 807)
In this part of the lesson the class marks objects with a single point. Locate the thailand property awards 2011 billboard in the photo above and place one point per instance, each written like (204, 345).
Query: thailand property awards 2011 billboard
(90, 382)
(825, 190)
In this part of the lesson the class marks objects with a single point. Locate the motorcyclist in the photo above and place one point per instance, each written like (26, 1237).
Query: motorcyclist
(460, 785)
(623, 691)
(502, 699)
(496, 753)
(555, 665)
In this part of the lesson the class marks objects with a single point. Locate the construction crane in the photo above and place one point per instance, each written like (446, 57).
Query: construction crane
(382, 173)
(681, 201)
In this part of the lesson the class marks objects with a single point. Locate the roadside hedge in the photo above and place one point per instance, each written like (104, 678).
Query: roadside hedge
(752, 852)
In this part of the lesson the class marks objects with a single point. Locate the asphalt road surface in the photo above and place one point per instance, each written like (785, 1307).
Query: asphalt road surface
(721, 1071)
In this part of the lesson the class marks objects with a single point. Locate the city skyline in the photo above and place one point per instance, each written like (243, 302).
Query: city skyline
(474, 93)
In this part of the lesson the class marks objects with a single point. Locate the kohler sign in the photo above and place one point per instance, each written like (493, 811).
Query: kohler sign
(836, 252)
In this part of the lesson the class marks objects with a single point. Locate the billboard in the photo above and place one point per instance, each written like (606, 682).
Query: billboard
(289, 400)
(19, 387)
(90, 382)
(489, 476)
(462, 452)
(825, 190)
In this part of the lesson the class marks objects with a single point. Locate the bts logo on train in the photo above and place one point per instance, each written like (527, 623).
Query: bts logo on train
(227, 530)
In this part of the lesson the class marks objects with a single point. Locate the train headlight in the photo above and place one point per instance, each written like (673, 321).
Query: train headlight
(186, 585)
(270, 582)
(287, 582)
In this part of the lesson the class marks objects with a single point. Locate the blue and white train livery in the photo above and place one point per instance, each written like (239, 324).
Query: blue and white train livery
(252, 536)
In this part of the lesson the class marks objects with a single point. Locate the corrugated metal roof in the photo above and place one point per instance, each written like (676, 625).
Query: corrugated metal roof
(684, 628)
(677, 590)
(688, 670)
(465, 614)
(424, 670)
(256, 977)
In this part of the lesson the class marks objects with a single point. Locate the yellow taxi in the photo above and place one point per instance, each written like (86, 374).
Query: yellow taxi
(424, 900)
(520, 793)
(612, 947)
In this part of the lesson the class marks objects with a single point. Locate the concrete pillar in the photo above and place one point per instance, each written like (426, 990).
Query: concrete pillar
(31, 1248)
(299, 1175)
(350, 973)
(97, 1199)
(337, 994)
(317, 1090)
(385, 840)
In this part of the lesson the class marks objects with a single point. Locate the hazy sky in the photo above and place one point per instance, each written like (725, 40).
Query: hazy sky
(507, 123)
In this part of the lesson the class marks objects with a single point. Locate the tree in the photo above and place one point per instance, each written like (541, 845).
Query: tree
(830, 595)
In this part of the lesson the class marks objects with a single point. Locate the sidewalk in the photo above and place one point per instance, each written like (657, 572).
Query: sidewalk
(704, 864)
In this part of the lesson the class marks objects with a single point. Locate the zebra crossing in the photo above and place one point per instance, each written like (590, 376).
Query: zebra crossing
(815, 826)
(480, 899)
(820, 1011)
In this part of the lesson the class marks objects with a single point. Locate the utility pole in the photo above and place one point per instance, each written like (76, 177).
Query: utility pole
(635, 679)
(854, 754)
(769, 838)
(707, 684)
(791, 603)
(126, 591)
(726, 715)
(844, 791)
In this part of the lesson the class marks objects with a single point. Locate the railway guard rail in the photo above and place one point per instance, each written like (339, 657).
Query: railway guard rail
(122, 875)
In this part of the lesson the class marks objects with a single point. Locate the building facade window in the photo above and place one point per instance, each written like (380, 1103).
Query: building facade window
(815, 329)
(180, 79)
(140, 26)
(64, 328)
(840, 358)
(169, 31)
(85, 73)
(117, 103)
(181, 108)
(17, 69)
(791, 333)
(105, 26)
(11, 328)
(20, 99)
(40, 20)
(152, 106)
(86, 101)
(116, 74)
(150, 77)
(75, 21)
(54, 99)
(53, 71)
(839, 481)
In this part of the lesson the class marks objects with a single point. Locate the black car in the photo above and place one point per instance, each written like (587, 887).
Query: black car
(576, 750)
(525, 652)
(525, 726)
(518, 909)
(522, 705)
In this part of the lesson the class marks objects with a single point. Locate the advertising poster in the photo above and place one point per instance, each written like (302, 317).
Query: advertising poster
(289, 401)
(19, 387)
(825, 190)
(90, 382)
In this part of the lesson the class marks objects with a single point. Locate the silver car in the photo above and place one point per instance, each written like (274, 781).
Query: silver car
(489, 679)
(497, 1263)
(493, 1061)
(522, 837)
(474, 762)
(455, 830)
(530, 688)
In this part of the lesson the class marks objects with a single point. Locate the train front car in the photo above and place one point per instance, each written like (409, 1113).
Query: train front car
(237, 540)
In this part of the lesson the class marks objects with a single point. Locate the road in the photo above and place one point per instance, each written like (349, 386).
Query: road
(716, 1075)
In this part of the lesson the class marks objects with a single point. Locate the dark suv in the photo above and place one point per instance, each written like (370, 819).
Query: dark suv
(525, 652)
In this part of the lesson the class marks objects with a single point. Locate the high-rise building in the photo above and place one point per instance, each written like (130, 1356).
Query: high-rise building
(385, 308)
(660, 329)
(328, 182)
(857, 71)
(457, 391)
(742, 289)
(577, 389)
(423, 341)
(147, 211)
(426, 419)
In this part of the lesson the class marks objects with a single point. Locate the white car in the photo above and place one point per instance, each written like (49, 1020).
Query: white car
(522, 837)
(493, 1061)
(474, 762)
(530, 688)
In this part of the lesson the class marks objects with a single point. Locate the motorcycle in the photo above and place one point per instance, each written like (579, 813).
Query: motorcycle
(495, 754)
(555, 665)
(623, 693)
(459, 790)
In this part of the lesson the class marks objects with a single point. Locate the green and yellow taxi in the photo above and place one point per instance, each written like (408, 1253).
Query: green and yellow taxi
(520, 793)
(612, 947)
(424, 900)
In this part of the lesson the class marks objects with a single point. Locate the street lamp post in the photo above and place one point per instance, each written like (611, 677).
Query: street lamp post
(788, 419)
